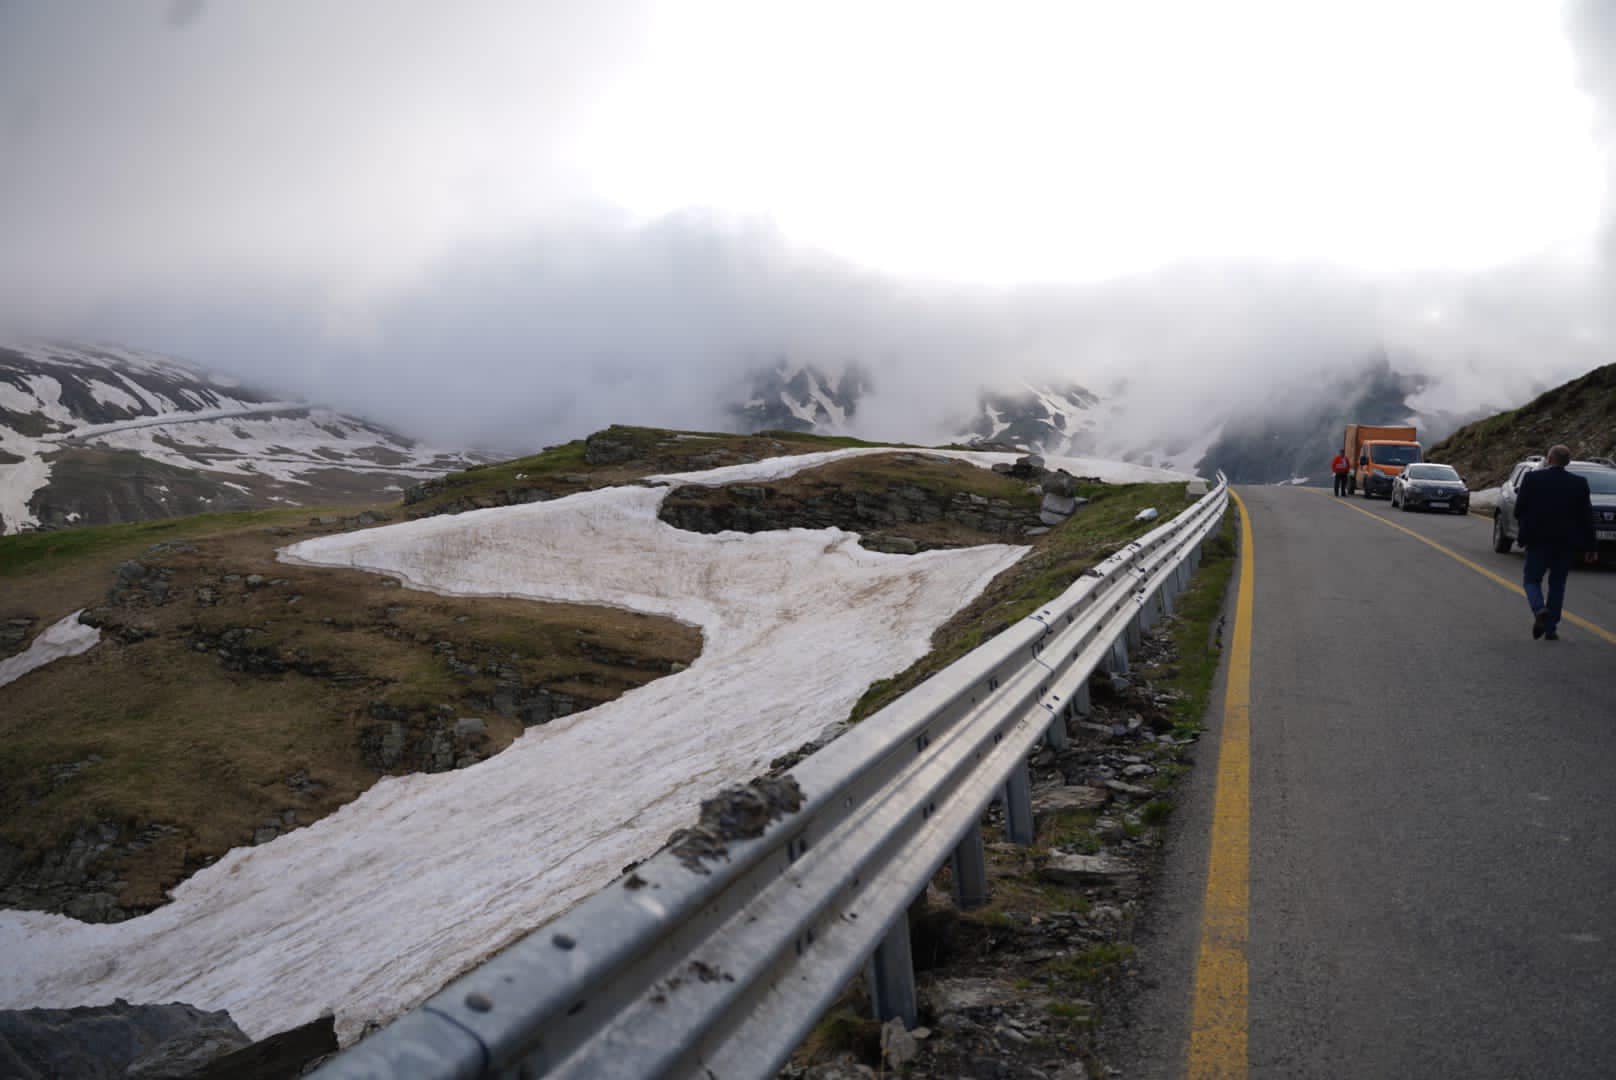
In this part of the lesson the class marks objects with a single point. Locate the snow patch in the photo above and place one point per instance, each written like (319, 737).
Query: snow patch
(66, 637)
(1485, 500)
(372, 909)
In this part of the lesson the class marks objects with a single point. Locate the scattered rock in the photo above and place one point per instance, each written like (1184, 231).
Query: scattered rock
(1057, 508)
(275, 1057)
(1069, 797)
(1060, 482)
(14, 633)
(1131, 790)
(184, 1056)
(1149, 513)
(736, 813)
(1106, 870)
(898, 1047)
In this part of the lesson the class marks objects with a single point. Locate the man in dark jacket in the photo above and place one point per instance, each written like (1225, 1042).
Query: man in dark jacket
(1556, 517)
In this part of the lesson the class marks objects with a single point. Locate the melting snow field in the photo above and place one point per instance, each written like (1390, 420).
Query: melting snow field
(372, 909)
(65, 637)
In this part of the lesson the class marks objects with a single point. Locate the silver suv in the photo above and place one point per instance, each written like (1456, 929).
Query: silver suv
(1601, 476)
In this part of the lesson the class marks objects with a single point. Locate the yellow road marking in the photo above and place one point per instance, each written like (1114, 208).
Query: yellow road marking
(1218, 1020)
(1575, 620)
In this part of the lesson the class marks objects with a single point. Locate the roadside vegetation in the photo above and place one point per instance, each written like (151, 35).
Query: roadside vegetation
(1057, 560)
(1032, 979)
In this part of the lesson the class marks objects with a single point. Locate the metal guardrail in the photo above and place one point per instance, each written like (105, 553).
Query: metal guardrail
(719, 970)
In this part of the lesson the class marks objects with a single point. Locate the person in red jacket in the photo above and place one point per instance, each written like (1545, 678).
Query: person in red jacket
(1343, 472)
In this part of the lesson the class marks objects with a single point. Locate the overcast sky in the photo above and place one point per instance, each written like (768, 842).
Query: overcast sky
(521, 220)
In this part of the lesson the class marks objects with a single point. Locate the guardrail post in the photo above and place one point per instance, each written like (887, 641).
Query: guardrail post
(1080, 700)
(1055, 734)
(1134, 634)
(891, 973)
(1117, 660)
(970, 871)
(1018, 825)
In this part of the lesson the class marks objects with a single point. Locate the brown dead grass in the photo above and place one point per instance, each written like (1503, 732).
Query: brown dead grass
(186, 742)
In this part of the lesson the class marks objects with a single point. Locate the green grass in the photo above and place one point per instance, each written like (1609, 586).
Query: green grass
(843, 1031)
(653, 450)
(1198, 649)
(1156, 812)
(1089, 968)
(42, 552)
(1058, 560)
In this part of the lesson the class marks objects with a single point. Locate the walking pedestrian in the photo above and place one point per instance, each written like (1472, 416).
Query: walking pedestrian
(1342, 467)
(1556, 517)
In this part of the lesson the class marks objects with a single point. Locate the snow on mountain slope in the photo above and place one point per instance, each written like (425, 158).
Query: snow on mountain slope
(1048, 418)
(799, 397)
(371, 909)
(103, 433)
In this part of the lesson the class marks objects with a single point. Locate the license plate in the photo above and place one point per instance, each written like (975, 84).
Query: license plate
(1443, 505)
(1607, 534)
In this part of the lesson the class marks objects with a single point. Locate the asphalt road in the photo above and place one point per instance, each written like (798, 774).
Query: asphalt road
(1432, 815)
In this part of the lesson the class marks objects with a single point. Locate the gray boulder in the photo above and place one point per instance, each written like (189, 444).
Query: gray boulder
(104, 1041)
(1057, 508)
(1059, 482)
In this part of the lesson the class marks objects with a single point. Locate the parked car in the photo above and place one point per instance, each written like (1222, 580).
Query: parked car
(1429, 486)
(1601, 477)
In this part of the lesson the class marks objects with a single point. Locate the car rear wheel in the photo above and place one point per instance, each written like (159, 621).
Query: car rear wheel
(1501, 540)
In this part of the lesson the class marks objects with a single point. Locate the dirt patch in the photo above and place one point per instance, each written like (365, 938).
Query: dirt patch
(901, 503)
(234, 698)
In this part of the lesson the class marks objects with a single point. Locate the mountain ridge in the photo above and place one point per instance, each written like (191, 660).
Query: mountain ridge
(103, 433)
(1580, 413)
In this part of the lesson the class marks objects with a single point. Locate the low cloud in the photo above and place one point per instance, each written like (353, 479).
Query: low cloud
(547, 335)
(371, 204)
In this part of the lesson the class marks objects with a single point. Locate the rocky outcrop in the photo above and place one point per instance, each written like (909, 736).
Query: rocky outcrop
(15, 634)
(151, 1042)
(753, 508)
(82, 878)
(419, 741)
(513, 496)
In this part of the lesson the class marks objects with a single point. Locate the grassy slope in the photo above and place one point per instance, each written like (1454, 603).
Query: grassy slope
(184, 740)
(564, 469)
(1581, 414)
(1057, 560)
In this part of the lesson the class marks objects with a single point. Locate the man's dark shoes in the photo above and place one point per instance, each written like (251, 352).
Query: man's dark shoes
(1551, 635)
(1540, 623)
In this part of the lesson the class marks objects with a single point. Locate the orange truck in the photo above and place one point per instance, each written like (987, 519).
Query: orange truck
(1378, 454)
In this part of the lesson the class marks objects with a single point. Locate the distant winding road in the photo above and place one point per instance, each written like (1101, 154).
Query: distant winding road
(1428, 798)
